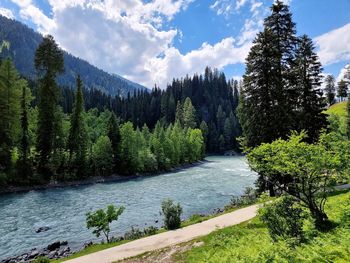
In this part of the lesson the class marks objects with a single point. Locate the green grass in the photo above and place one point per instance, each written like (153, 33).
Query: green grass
(250, 241)
(337, 109)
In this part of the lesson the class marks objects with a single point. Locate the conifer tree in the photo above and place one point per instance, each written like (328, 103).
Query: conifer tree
(48, 63)
(10, 92)
(310, 96)
(342, 89)
(113, 133)
(330, 89)
(189, 114)
(24, 168)
(77, 138)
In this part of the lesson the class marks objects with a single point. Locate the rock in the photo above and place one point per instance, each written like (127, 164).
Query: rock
(64, 243)
(52, 254)
(33, 254)
(87, 244)
(54, 246)
(42, 229)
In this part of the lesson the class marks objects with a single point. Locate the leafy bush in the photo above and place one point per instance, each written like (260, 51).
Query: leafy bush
(149, 231)
(136, 233)
(172, 213)
(284, 219)
(100, 220)
(249, 197)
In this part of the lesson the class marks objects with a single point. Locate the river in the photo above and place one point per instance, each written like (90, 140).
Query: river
(199, 189)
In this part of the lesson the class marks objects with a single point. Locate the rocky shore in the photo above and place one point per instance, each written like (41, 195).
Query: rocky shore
(53, 251)
(91, 180)
(60, 249)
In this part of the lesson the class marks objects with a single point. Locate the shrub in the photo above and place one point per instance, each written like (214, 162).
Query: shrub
(172, 213)
(284, 219)
(249, 197)
(136, 233)
(100, 220)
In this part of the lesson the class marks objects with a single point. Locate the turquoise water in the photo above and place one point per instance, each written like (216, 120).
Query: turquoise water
(199, 189)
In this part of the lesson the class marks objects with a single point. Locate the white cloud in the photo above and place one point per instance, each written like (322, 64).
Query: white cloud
(127, 37)
(30, 12)
(175, 64)
(6, 12)
(342, 72)
(334, 46)
(239, 4)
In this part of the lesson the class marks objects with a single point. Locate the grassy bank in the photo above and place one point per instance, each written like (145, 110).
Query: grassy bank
(194, 219)
(250, 241)
(337, 109)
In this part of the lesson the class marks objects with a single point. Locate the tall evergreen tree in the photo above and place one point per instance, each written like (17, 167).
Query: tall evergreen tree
(311, 103)
(10, 92)
(189, 114)
(257, 100)
(330, 89)
(77, 138)
(24, 168)
(342, 89)
(113, 133)
(49, 63)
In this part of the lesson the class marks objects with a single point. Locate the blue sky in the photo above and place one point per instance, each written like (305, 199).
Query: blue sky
(153, 41)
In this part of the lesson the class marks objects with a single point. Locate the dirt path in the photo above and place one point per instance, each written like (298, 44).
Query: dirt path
(168, 238)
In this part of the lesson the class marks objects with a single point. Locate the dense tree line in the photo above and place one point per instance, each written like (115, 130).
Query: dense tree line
(48, 137)
(207, 102)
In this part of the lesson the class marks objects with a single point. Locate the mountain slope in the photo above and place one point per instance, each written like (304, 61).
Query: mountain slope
(23, 43)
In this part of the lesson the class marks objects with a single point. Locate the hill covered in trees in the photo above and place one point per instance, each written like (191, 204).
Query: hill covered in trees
(205, 101)
(23, 43)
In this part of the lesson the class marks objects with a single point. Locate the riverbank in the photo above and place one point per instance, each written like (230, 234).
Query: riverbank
(168, 238)
(95, 180)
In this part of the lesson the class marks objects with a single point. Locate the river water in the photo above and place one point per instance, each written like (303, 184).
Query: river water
(199, 189)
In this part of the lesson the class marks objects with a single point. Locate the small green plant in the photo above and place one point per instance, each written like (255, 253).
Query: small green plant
(100, 220)
(284, 219)
(172, 213)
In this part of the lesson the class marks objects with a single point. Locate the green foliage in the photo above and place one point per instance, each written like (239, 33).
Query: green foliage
(189, 114)
(48, 63)
(302, 170)
(136, 233)
(77, 138)
(330, 89)
(342, 89)
(10, 92)
(250, 242)
(113, 133)
(281, 85)
(100, 220)
(284, 219)
(102, 154)
(172, 213)
(249, 197)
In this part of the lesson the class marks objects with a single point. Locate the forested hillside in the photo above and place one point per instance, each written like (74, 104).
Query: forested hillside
(211, 105)
(23, 43)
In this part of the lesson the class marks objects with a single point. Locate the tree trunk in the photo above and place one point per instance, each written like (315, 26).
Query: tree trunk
(321, 219)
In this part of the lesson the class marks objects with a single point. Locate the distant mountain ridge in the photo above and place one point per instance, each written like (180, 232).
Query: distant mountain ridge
(23, 43)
